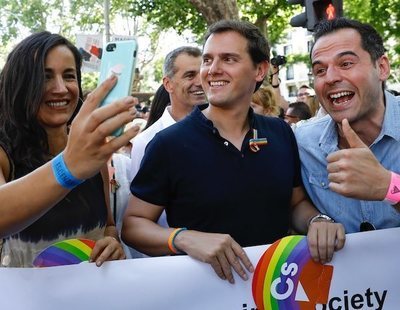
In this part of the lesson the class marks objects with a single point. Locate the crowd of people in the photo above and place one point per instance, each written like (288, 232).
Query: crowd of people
(219, 166)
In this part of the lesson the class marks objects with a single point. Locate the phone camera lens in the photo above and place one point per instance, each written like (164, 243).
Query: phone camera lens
(111, 47)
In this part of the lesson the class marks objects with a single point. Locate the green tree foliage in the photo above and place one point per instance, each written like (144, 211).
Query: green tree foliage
(89, 81)
(271, 16)
(14, 14)
(385, 17)
(88, 15)
(178, 14)
(27, 16)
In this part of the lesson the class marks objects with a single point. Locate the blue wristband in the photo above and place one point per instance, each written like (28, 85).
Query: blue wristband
(62, 174)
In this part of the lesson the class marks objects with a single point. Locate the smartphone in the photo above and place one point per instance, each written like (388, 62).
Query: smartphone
(118, 58)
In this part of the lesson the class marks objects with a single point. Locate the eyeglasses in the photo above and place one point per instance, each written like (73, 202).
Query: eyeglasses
(303, 94)
(290, 116)
(366, 226)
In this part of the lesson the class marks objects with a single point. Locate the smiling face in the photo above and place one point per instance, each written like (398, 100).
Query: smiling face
(184, 86)
(290, 118)
(227, 72)
(347, 82)
(303, 94)
(61, 92)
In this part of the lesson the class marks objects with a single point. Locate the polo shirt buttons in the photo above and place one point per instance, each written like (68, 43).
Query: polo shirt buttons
(226, 143)
(323, 184)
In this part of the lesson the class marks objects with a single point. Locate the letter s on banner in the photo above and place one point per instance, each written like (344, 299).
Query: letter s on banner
(285, 270)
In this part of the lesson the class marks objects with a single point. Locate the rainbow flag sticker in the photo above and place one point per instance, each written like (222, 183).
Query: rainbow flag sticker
(286, 277)
(66, 252)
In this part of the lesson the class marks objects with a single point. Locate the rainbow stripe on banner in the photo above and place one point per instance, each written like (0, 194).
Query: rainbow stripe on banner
(286, 277)
(66, 252)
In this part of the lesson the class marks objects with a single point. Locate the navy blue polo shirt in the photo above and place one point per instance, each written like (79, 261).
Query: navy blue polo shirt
(207, 184)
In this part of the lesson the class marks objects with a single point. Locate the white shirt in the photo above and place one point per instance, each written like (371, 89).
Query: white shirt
(140, 142)
(121, 164)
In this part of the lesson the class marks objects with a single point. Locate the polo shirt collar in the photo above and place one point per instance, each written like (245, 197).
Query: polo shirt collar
(197, 114)
(391, 121)
(166, 118)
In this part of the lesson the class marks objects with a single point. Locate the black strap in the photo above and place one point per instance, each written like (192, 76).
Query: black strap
(11, 176)
(114, 194)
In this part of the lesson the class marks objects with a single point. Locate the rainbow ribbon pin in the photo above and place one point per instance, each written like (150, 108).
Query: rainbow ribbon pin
(256, 142)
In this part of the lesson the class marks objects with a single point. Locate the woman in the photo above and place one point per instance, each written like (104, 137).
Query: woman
(264, 102)
(39, 94)
(158, 104)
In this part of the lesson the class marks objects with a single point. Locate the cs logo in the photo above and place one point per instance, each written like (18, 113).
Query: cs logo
(287, 278)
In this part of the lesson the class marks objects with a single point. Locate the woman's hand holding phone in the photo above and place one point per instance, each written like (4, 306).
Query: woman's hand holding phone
(88, 148)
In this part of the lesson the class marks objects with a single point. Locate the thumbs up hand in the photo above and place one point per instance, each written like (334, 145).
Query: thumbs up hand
(355, 172)
(351, 136)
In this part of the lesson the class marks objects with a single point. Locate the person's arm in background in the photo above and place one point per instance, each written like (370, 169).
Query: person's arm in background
(275, 83)
(86, 152)
(109, 247)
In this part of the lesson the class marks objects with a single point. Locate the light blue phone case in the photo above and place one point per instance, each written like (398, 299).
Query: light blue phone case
(119, 58)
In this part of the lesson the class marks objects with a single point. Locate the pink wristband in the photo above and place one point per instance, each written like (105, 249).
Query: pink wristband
(393, 193)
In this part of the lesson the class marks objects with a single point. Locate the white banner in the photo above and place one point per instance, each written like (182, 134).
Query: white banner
(364, 275)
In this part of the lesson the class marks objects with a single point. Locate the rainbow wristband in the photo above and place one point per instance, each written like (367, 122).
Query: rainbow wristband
(393, 193)
(62, 174)
(171, 239)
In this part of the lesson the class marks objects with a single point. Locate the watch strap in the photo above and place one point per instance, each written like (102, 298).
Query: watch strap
(320, 216)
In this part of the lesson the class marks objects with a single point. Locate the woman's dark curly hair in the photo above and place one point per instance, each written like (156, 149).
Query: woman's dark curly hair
(22, 85)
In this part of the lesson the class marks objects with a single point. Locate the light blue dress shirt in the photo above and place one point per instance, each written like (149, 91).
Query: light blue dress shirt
(318, 138)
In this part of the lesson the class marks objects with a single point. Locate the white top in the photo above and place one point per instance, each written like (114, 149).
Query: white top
(121, 168)
(126, 169)
(121, 165)
(140, 142)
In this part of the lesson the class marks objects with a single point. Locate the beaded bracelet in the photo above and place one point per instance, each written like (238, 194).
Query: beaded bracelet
(62, 174)
(171, 239)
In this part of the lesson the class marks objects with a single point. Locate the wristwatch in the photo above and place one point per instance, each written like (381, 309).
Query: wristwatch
(320, 216)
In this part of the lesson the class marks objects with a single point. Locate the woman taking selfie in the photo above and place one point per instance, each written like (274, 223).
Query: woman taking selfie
(40, 92)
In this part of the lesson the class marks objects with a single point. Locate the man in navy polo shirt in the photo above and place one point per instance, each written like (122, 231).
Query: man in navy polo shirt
(227, 178)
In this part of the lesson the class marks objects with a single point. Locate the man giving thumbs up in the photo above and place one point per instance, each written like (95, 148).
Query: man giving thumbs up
(351, 158)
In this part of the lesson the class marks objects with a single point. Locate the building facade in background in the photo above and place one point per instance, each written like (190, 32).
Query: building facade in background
(298, 41)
